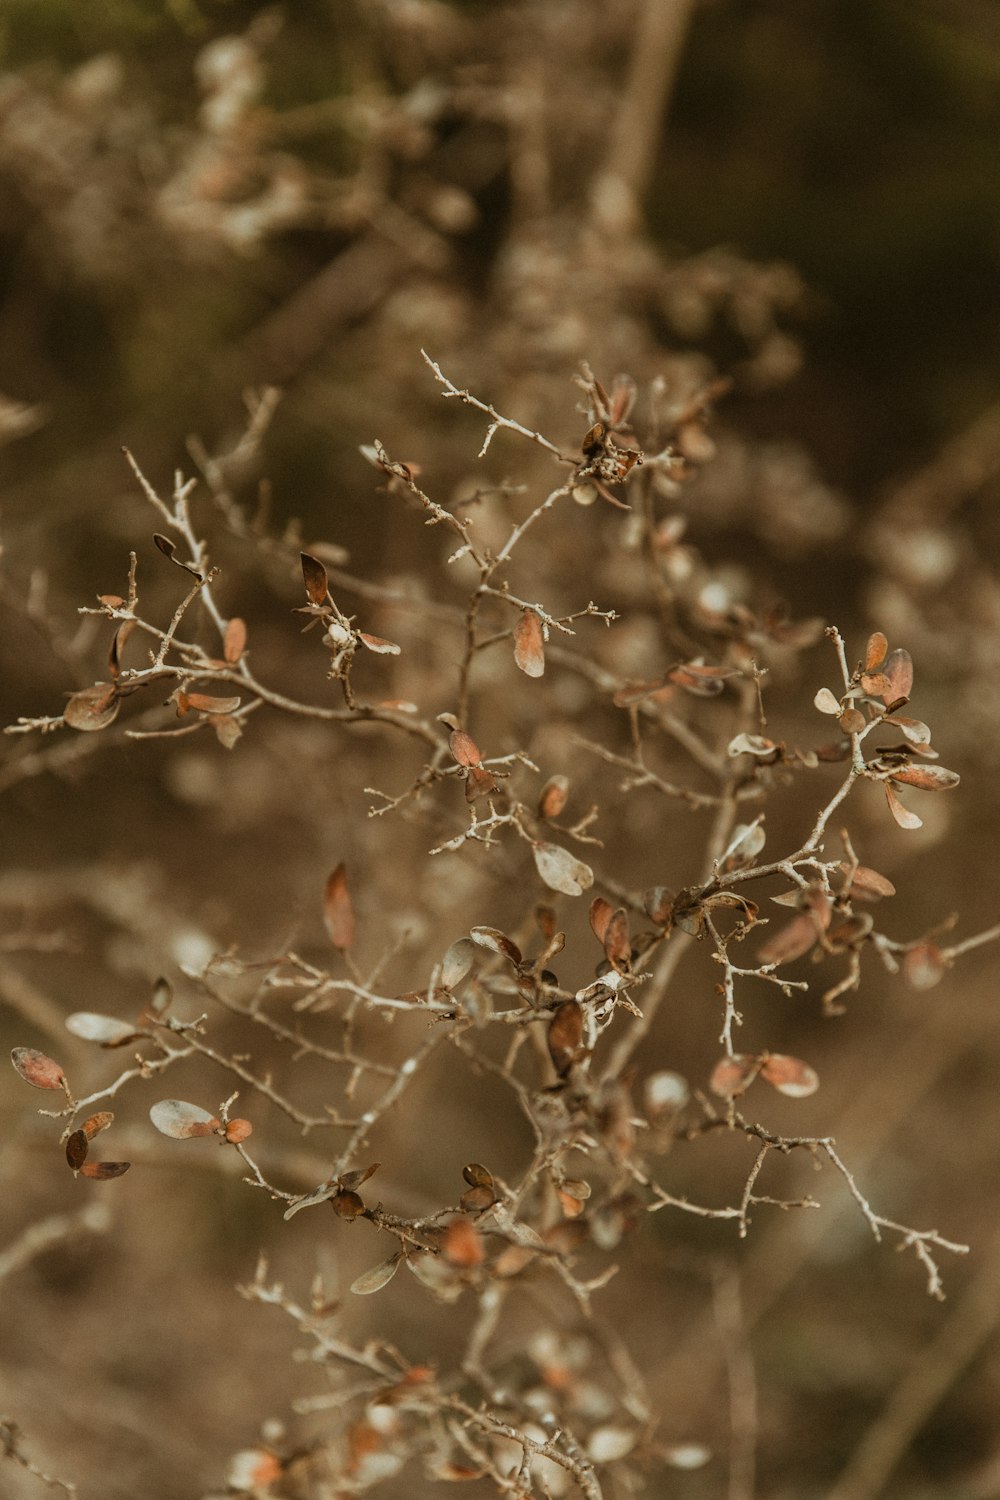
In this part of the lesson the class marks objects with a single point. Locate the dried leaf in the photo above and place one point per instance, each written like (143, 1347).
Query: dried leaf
(378, 645)
(618, 940)
(457, 962)
(358, 1176)
(238, 1130)
(378, 1277)
(177, 1118)
(227, 730)
(106, 1030)
(497, 942)
(789, 1075)
(732, 1076)
(479, 783)
(658, 904)
(898, 671)
(314, 577)
(77, 1146)
(93, 708)
(869, 885)
(338, 910)
(529, 644)
(96, 1123)
(601, 912)
(235, 640)
(924, 966)
(927, 778)
(205, 703)
(463, 1244)
(875, 651)
(104, 1170)
(553, 797)
(790, 941)
(914, 730)
(757, 745)
(478, 1176)
(36, 1068)
(826, 702)
(565, 1036)
(347, 1205)
(700, 680)
(562, 871)
(903, 816)
(464, 748)
(852, 721)
(121, 635)
(165, 545)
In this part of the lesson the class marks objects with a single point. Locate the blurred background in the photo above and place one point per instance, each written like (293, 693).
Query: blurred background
(204, 199)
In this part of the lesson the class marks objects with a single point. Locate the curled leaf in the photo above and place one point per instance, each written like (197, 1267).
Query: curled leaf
(553, 797)
(601, 912)
(562, 871)
(314, 577)
(497, 942)
(565, 1036)
(93, 708)
(904, 817)
(924, 966)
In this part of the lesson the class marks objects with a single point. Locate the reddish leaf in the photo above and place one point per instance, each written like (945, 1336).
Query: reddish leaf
(104, 1170)
(869, 885)
(927, 778)
(789, 1075)
(176, 1118)
(35, 1068)
(732, 1076)
(601, 912)
(77, 1146)
(235, 640)
(553, 797)
(903, 816)
(790, 941)
(898, 671)
(464, 748)
(529, 644)
(875, 651)
(314, 577)
(204, 703)
(253, 1469)
(565, 1036)
(658, 904)
(96, 1123)
(463, 1245)
(618, 940)
(338, 910)
(238, 1130)
(924, 966)
(94, 708)
(121, 635)
(378, 645)
(702, 681)
(562, 871)
(479, 783)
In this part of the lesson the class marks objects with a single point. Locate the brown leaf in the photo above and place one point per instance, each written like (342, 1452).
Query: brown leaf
(104, 1170)
(378, 645)
(235, 640)
(618, 940)
(790, 941)
(238, 1130)
(924, 966)
(463, 1244)
(338, 910)
(565, 1036)
(702, 681)
(182, 1121)
(497, 942)
(869, 885)
(789, 1075)
(121, 635)
(227, 730)
(898, 670)
(348, 1205)
(601, 912)
(529, 644)
(852, 721)
(77, 1146)
(875, 651)
(464, 748)
(314, 577)
(927, 778)
(658, 904)
(165, 545)
(96, 1123)
(732, 1076)
(479, 783)
(562, 871)
(553, 797)
(93, 708)
(36, 1068)
(903, 816)
(205, 703)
